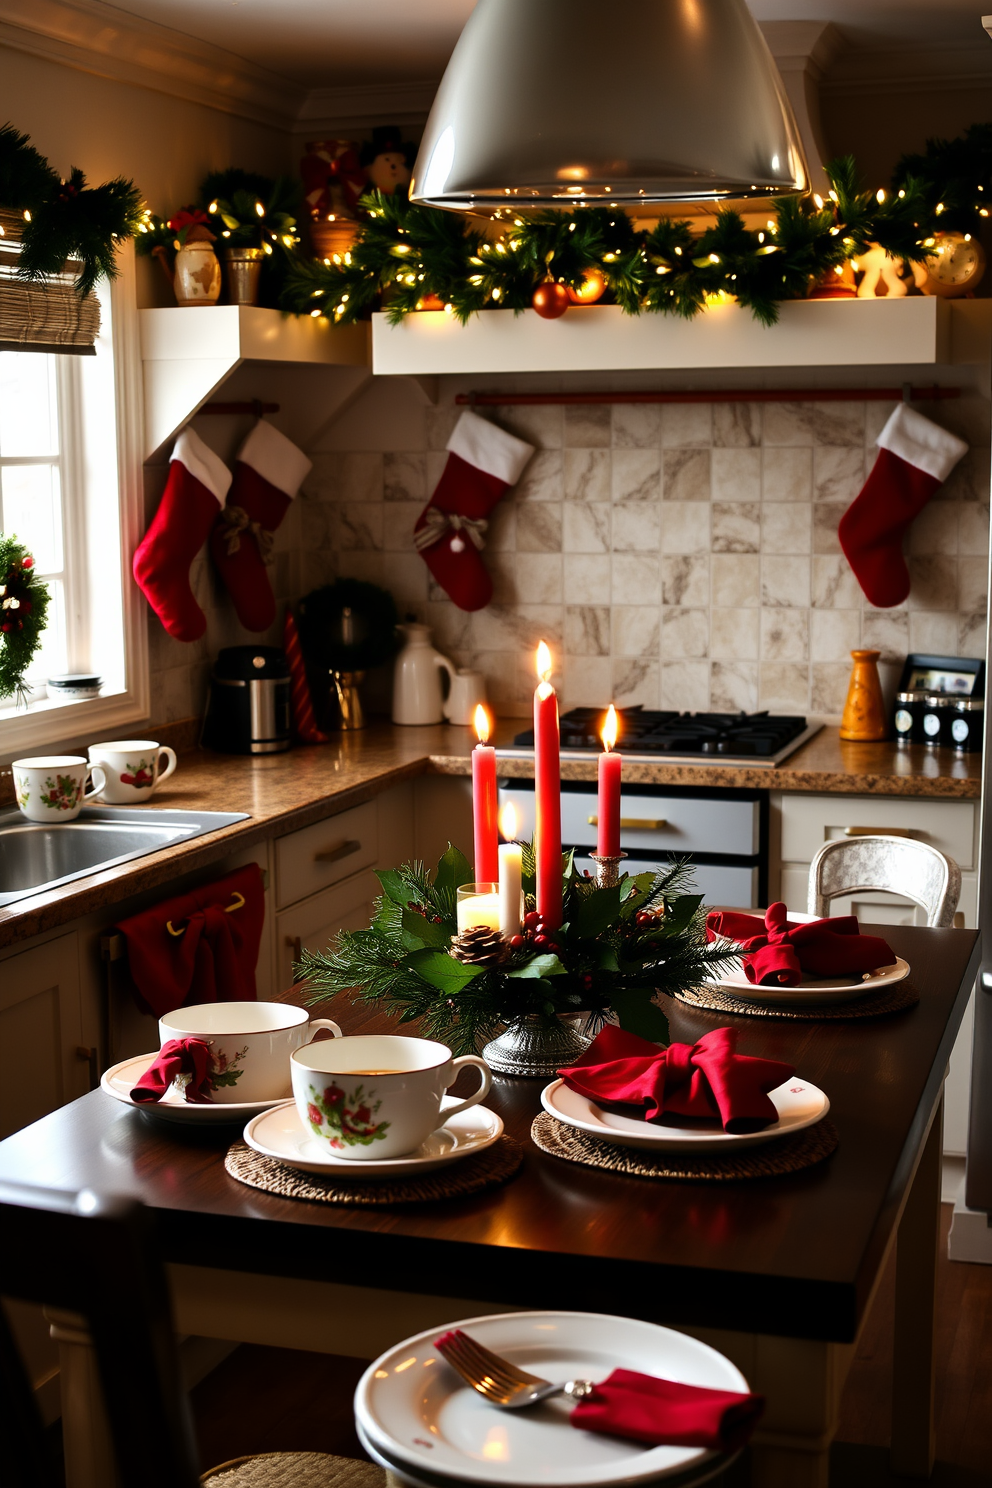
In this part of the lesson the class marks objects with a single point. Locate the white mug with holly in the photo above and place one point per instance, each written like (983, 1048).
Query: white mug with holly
(53, 788)
(249, 1045)
(133, 768)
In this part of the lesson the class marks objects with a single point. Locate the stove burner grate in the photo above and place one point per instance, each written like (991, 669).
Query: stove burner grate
(646, 731)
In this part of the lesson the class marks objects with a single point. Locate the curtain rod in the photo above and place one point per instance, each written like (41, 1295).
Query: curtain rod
(725, 395)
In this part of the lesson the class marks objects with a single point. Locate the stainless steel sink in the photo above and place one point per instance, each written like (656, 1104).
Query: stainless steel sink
(34, 857)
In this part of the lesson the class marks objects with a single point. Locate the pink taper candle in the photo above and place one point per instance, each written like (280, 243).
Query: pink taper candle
(547, 795)
(610, 766)
(484, 803)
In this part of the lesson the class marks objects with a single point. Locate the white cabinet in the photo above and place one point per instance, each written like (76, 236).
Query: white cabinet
(312, 924)
(43, 1062)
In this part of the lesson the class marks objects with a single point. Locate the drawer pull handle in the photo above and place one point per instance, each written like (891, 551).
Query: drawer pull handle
(879, 832)
(295, 944)
(335, 854)
(635, 823)
(89, 1057)
(237, 902)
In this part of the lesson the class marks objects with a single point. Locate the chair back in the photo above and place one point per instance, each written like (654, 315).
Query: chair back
(98, 1257)
(894, 865)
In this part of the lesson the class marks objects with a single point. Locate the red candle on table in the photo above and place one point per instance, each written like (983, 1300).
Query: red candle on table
(547, 795)
(610, 766)
(484, 803)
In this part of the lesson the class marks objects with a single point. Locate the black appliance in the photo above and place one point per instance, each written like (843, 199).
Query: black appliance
(730, 738)
(248, 706)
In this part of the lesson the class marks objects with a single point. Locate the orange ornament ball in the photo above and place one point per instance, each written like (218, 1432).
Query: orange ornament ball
(550, 300)
(592, 288)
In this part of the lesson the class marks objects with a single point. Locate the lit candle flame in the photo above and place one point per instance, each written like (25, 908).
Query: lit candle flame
(610, 729)
(543, 662)
(482, 725)
(508, 822)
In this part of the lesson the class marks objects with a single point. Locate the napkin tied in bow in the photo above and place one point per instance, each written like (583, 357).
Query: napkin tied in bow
(780, 954)
(707, 1079)
(185, 1056)
(662, 1412)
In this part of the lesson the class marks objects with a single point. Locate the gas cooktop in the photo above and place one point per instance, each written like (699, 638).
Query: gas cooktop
(692, 738)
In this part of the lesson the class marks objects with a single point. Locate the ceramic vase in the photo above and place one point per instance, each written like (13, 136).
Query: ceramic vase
(196, 274)
(864, 717)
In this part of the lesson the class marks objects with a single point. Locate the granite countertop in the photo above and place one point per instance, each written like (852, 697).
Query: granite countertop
(284, 792)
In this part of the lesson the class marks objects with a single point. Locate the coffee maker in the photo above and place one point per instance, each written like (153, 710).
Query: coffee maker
(248, 706)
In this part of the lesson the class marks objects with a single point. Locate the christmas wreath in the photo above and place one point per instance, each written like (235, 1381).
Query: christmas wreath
(23, 608)
(616, 949)
(413, 257)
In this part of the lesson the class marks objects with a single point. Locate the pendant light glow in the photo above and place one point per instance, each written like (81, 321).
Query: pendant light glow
(564, 103)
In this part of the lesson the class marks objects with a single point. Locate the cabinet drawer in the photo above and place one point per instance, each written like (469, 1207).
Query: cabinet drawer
(810, 821)
(323, 854)
(312, 925)
(734, 887)
(669, 825)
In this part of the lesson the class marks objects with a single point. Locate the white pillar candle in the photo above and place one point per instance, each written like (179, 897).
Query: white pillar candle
(478, 909)
(510, 870)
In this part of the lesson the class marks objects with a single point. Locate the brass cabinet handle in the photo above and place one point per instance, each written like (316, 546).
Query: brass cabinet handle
(635, 823)
(335, 854)
(879, 832)
(295, 943)
(89, 1056)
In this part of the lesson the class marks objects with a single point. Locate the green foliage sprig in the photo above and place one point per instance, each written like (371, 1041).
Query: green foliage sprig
(64, 220)
(409, 253)
(955, 178)
(23, 611)
(616, 949)
(253, 211)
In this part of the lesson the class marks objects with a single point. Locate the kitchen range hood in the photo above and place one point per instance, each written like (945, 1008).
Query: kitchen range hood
(644, 102)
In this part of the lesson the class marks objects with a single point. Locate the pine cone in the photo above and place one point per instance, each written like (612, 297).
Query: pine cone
(479, 946)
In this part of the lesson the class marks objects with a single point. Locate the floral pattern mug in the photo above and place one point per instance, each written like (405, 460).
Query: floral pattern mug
(133, 768)
(53, 788)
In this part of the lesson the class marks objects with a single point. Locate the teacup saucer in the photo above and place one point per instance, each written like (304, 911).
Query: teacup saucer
(120, 1080)
(280, 1133)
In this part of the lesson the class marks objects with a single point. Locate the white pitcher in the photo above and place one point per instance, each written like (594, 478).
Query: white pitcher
(467, 691)
(417, 678)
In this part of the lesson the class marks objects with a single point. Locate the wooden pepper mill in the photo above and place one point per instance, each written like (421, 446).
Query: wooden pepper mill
(864, 712)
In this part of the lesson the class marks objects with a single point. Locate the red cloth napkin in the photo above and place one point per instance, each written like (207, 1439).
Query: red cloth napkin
(662, 1412)
(707, 1079)
(186, 1056)
(214, 959)
(779, 954)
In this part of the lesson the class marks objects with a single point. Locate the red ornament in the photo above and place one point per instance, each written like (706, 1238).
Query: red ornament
(592, 288)
(550, 300)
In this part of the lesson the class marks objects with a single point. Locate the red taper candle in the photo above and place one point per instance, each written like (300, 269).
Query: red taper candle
(484, 803)
(610, 767)
(547, 795)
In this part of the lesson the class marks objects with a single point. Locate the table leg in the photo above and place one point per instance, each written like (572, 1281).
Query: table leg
(89, 1455)
(913, 1442)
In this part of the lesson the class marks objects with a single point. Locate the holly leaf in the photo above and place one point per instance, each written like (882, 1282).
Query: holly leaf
(453, 870)
(539, 966)
(638, 1013)
(595, 912)
(418, 931)
(605, 957)
(393, 886)
(680, 914)
(630, 902)
(442, 971)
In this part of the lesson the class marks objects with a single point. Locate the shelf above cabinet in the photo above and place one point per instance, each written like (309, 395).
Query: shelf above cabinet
(189, 352)
(916, 331)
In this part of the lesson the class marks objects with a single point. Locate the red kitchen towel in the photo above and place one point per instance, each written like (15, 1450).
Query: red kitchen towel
(215, 957)
(780, 954)
(707, 1079)
(185, 1056)
(661, 1412)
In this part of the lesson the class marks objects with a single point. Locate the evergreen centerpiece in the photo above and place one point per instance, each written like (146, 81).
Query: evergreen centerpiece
(616, 948)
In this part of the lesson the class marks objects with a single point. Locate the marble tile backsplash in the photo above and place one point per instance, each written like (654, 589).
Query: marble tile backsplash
(681, 556)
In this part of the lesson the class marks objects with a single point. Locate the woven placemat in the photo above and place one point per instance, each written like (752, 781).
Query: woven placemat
(769, 1160)
(894, 999)
(481, 1170)
(295, 1470)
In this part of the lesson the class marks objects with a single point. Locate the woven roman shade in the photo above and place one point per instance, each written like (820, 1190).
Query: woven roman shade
(43, 314)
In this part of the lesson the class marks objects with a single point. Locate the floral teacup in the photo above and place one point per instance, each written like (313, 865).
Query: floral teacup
(250, 1044)
(133, 768)
(53, 788)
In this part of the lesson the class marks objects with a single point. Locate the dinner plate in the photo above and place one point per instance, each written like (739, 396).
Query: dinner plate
(417, 1413)
(280, 1133)
(798, 1103)
(819, 992)
(120, 1080)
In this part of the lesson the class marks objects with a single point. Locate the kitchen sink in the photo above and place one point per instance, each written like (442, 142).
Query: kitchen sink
(35, 857)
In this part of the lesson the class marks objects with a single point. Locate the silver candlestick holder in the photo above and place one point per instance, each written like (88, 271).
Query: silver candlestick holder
(607, 869)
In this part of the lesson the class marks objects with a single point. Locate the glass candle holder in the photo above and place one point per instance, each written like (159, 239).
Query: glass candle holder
(477, 904)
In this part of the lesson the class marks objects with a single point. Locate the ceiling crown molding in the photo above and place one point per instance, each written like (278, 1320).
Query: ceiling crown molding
(910, 69)
(363, 105)
(99, 38)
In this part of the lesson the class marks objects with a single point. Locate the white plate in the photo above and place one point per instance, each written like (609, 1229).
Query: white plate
(280, 1133)
(821, 992)
(798, 1103)
(121, 1079)
(415, 1409)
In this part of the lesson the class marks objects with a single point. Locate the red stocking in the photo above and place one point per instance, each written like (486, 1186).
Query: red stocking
(194, 492)
(483, 462)
(915, 458)
(267, 475)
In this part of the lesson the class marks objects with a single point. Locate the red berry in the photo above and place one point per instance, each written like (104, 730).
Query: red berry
(516, 941)
(531, 919)
(542, 942)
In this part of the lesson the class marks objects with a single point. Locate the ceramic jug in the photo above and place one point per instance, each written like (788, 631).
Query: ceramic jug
(467, 691)
(417, 696)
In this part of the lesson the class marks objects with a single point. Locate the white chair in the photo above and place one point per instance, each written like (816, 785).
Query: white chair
(894, 865)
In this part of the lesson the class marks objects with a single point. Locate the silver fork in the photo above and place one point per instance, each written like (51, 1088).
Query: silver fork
(496, 1379)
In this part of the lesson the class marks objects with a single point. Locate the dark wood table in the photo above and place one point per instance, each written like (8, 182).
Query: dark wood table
(777, 1273)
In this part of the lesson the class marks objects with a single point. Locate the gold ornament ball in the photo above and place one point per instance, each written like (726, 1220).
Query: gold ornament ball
(550, 300)
(592, 288)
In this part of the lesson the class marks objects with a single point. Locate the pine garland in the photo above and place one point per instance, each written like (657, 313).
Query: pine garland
(617, 948)
(23, 610)
(410, 254)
